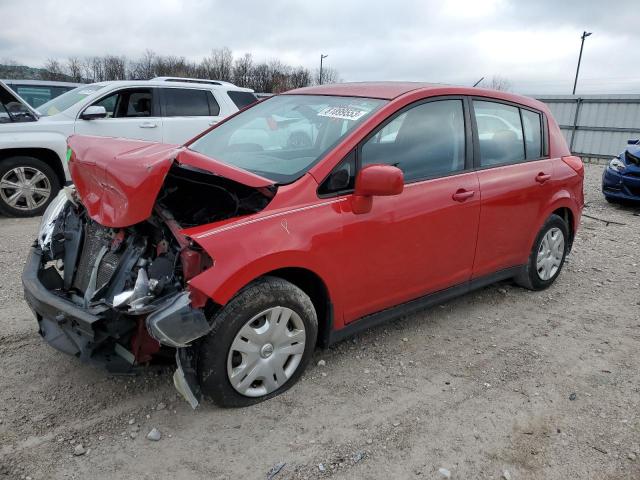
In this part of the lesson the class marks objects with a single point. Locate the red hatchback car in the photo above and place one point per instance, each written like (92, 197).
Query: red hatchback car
(296, 222)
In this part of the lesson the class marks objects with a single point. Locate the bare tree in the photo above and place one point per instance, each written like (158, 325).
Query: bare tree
(94, 69)
(114, 67)
(219, 65)
(242, 70)
(74, 69)
(300, 77)
(52, 70)
(271, 76)
(329, 75)
(499, 82)
(144, 67)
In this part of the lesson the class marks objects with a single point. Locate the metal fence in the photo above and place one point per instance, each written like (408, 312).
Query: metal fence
(596, 127)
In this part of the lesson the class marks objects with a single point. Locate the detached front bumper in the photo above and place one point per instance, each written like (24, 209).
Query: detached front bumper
(63, 325)
(620, 186)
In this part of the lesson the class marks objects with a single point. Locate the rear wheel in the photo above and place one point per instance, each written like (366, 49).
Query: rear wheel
(260, 344)
(27, 185)
(547, 255)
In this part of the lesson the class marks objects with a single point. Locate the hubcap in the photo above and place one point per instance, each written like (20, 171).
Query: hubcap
(25, 188)
(550, 254)
(266, 352)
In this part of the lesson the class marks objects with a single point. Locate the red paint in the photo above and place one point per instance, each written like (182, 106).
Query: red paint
(371, 251)
(143, 345)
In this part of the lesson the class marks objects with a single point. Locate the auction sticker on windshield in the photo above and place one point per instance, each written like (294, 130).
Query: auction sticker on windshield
(344, 112)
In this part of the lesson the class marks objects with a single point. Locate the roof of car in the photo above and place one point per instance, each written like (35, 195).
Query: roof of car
(391, 90)
(385, 90)
(173, 84)
(47, 83)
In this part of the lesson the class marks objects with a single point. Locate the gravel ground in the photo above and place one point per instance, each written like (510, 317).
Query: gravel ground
(501, 383)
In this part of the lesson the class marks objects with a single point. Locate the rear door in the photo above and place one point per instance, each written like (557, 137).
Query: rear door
(131, 113)
(188, 112)
(515, 181)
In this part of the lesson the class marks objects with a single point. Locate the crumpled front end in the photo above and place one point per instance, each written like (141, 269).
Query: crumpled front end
(120, 295)
(113, 295)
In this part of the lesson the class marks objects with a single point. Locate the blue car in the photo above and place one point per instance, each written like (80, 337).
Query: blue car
(621, 177)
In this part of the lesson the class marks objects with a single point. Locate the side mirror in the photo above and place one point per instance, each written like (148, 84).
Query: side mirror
(93, 112)
(376, 180)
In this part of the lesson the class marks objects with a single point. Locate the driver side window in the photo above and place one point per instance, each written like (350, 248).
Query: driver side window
(128, 103)
(425, 141)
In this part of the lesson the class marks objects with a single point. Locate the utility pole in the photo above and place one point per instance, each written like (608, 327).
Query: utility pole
(585, 34)
(322, 57)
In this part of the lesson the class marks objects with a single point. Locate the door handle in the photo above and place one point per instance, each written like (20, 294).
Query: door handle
(542, 177)
(148, 125)
(461, 195)
(213, 122)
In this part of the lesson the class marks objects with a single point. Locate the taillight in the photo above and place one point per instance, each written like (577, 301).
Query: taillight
(575, 163)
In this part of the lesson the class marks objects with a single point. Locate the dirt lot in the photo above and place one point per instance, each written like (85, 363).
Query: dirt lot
(500, 383)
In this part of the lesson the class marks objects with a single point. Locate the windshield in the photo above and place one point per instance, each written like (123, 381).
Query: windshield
(67, 100)
(282, 137)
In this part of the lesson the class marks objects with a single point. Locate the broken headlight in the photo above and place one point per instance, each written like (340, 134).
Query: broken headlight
(50, 216)
(616, 164)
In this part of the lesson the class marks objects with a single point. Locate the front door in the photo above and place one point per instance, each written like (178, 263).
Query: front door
(424, 239)
(131, 113)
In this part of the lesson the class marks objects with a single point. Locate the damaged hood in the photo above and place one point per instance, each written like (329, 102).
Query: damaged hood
(118, 180)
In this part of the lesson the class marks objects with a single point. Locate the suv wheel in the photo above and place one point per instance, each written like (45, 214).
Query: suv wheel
(27, 185)
(259, 345)
(547, 256)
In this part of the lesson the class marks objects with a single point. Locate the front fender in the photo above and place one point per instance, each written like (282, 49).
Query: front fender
(221, 284)
(245, 249)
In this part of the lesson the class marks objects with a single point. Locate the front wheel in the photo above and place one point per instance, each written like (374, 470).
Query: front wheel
(260, 344)
(547, 255)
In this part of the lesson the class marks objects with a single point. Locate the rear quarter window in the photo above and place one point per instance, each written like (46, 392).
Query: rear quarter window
(242, 99)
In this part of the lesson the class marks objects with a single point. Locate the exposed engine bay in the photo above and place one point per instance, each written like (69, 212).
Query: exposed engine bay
(120, 296)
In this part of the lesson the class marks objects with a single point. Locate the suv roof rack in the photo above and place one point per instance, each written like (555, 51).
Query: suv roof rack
(193, 80)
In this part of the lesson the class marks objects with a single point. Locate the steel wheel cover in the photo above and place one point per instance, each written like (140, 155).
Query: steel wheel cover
(550, 254)
(25, 188)
(266, 352)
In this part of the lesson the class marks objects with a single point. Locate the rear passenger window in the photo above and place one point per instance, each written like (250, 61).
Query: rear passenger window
(183, 102)
(532, 134)
(499, 133)
(242, 99)
(426, 141)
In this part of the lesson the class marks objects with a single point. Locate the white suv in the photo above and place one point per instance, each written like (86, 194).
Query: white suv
(33, 143)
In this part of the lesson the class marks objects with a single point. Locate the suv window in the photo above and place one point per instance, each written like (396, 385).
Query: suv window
(499, 133)
(12, 110)
(427, 140)
(186, 102)
(128, 103)
(36, 95)
(242, 99)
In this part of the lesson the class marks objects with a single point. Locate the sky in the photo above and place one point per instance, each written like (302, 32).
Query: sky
(533, 44)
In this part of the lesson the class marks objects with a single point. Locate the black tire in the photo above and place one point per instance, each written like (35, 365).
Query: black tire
(611, 199)
(213, 349)
(31, 163)
(529, 277)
